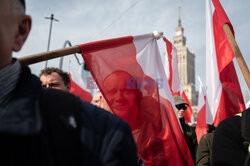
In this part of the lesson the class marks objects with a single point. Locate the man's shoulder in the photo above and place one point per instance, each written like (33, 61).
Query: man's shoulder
(23, 104)
(91, 116)
(230, 129)
(100, 118)
(230, 124)
(28, 84)
(207, 138)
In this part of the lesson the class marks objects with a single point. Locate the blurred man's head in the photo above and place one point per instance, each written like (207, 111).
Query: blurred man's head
(23, 3)
(96, 99)
(14, 29)
(99, 101)
(104, 105)
(55, 78)
(181, 106)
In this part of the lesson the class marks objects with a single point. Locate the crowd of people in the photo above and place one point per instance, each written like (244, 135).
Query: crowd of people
(41, 123)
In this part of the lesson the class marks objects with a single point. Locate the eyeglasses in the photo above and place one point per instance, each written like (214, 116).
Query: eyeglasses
(181, 106)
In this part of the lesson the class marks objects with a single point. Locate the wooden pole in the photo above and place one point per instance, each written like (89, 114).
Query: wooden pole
(238, 55)
(31, 59)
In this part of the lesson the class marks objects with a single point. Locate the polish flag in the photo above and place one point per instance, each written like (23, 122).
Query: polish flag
(201, 125)
(130, 74)
(171, 69)
(78, 87)
(224, 97)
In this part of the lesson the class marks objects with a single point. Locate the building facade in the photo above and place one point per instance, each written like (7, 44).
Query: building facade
(186, 65)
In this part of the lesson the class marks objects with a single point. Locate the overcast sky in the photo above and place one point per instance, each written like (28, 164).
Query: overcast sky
(82, 21)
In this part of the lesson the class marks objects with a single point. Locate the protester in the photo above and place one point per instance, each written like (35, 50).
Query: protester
(96, 99)
(100, 101)
(204, 149)
(231, 141)
(46, 126)
(55, 78)
(189, 132)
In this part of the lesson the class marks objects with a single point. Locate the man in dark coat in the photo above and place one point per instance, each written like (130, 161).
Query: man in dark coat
(229, 147)
(204, 149)
(48, 126)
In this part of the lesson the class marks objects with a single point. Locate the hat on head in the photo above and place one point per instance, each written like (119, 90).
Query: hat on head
(178, 100)
(23, 3)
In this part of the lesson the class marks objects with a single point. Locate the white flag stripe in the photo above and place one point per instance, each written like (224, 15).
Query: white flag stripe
(145, 55)
(201, 100)
(214, 87)
(176, 85)
(76, 77)
(166, 66)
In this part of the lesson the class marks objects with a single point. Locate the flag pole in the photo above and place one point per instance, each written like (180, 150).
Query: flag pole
(238, 55)
(31, 59)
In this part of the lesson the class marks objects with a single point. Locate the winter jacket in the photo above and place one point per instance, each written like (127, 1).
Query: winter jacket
(228, 144)
(204, 150)
(27, 137)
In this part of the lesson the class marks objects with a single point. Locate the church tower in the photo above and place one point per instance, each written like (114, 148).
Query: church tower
(186, 64)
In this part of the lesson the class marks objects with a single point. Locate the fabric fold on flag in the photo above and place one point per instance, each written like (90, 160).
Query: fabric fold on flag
(224, 97)
(130, 74)
(171, 69)
(78, 87)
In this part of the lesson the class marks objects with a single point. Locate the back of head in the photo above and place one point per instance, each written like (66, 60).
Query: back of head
(15, 27)
(18, 5)
(23, 3)
(96, 98)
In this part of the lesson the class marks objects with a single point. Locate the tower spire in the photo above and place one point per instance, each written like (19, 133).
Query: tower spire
(179, 20)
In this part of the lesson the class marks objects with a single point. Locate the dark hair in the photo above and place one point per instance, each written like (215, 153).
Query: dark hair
(23, 3)
(64, 75)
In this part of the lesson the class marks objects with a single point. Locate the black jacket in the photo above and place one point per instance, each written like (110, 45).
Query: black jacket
(190, 137)
(228, 147)
(27, 133)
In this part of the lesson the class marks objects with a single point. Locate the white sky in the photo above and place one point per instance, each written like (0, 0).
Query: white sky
(82, 21)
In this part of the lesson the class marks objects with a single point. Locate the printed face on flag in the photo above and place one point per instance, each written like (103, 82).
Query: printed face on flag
(121, 99)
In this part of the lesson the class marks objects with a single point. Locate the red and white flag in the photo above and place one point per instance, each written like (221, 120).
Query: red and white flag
(130, 74)
(171, 69)
(224, 97)
(78, 87)
(201, 125)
